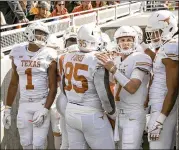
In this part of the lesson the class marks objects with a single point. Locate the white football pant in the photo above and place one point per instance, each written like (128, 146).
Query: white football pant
(86, 127)
(167, 134)
(55, 120)
(61, 107)
(131, 128)
(30, 135)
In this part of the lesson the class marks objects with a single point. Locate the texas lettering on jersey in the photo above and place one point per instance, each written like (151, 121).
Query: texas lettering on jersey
(30, 63)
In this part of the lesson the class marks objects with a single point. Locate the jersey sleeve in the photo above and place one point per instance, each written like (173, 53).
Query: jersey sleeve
(16, 51)
(171, 51)
(143, 62)
(101, 82)
(52, 56)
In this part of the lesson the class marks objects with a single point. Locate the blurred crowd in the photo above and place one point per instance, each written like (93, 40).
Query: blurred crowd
(13, 12)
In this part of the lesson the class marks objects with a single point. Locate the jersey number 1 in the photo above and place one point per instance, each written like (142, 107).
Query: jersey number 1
(29, 85)
(73, 71)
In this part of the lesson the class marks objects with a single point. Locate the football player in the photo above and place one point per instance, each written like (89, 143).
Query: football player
(70, 44)
(34, 70)
(87, 89)
(131, 73)
(54, 43)
(161, 31)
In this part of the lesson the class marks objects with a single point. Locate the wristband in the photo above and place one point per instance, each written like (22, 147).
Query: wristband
(161, 118)
(8, 107)
(122, 79)
(112, 69)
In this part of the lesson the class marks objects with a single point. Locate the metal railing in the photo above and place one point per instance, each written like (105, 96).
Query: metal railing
(57, 25)
(160, 5)
(98, 16)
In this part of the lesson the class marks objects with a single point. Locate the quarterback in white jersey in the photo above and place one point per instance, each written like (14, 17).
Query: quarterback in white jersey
(34, 69)
(70, 44)
(87, 89)
(161, 31)
(131, 74)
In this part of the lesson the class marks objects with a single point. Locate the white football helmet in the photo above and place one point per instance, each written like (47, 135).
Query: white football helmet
(161, 27)
(89, 38)
(32, 37)
(139, 33)
(125, 31)
(71, 32)
(106, 41)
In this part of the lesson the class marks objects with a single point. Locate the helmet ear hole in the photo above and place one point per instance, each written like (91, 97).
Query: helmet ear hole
(171, 29)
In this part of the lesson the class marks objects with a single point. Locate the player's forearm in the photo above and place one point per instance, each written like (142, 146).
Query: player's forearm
(51, 97)
(12, 90)
(131, 87)
(169, 102)
(128, 84)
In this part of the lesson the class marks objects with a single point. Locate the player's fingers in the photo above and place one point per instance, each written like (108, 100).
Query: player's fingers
(105, 56)
(101, 58)
(35, 120)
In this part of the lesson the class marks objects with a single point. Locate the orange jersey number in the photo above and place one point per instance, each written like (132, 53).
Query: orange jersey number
(29, 85)
(73, 72)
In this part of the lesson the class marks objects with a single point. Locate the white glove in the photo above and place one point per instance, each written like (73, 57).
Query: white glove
(7, 117)
(39, 117)
(154, 132)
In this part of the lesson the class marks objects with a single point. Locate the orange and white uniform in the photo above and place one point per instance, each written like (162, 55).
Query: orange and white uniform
(86, 86)
(32, 68)
(157, 94)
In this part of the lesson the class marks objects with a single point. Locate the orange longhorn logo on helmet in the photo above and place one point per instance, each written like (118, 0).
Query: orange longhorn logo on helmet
(167, 20)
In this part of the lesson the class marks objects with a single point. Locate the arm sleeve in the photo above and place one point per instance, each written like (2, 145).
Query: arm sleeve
(101, 82)
(52, 56)
(171, 51)
(17, 9)
(138, 74)
(143, 62)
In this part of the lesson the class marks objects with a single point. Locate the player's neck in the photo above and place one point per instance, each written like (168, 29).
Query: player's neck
(124, 57)
(33, 47)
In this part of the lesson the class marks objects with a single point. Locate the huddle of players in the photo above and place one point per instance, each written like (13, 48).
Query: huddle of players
(104, 86)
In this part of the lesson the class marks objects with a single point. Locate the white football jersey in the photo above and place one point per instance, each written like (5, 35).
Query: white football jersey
(32, 70)
(158, 89)
(60, 58)
(139, 48)
(79, 69)
(133, 102)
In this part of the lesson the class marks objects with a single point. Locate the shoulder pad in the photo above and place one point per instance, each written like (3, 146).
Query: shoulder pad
(171, 50)
(51, 54)
(142, 61)
(17, 50)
